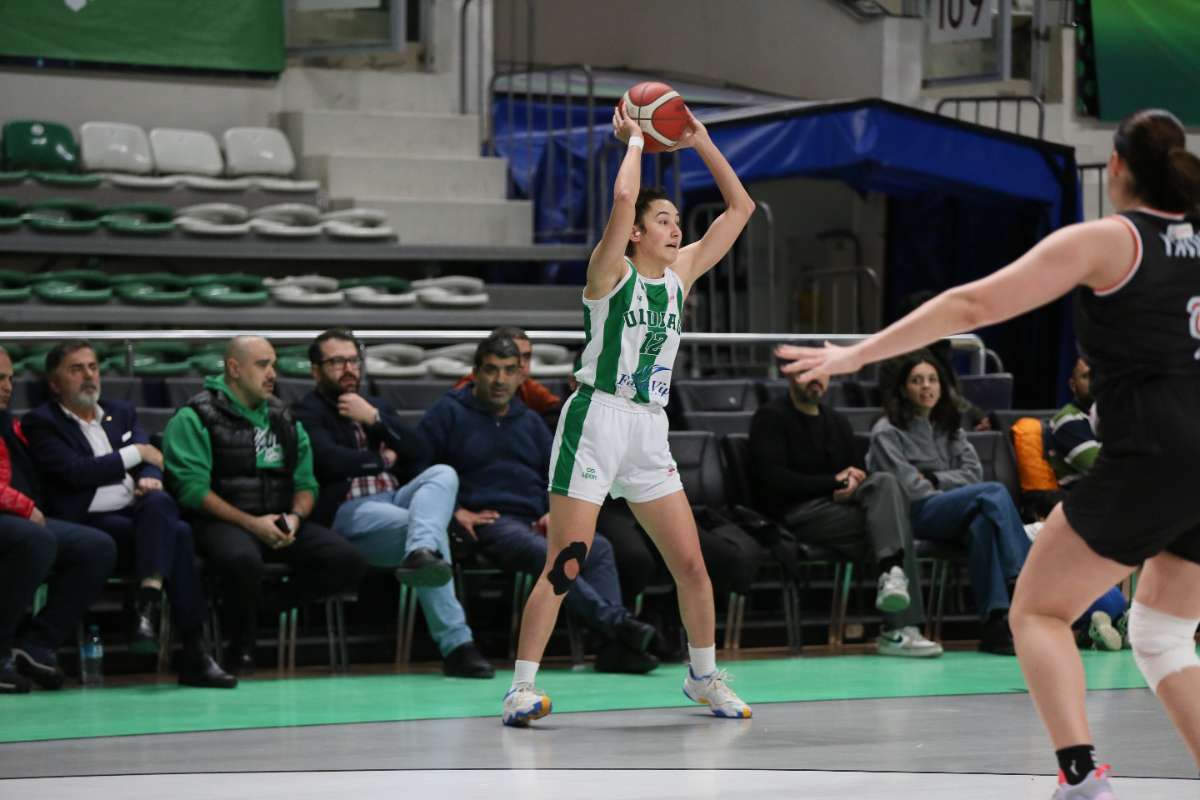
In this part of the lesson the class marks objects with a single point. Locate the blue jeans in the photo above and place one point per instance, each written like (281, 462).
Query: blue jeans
(595, 597)
(386, 526)
(981, 517)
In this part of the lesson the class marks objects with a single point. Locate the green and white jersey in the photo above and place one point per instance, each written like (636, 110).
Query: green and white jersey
(632, 336)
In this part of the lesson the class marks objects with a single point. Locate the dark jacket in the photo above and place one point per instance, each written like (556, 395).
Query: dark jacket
(794, 457)
(336, 455)
(70, 472)
(502, 463)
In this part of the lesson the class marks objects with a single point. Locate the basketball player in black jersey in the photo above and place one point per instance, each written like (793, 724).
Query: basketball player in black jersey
(1136, 278)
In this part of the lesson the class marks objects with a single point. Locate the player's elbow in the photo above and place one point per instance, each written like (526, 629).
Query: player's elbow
(624, 195)
(970, 308)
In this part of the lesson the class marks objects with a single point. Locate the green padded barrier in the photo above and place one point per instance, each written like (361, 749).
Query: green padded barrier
(78, 286)
(41, 146)
(63, 216)
(68, 180)
(152, 289)
(144, 219)
(14, 286)
(12, 176)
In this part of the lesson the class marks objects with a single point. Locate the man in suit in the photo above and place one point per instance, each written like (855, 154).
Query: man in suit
(34, 548)
(101, 470)
(374, 494)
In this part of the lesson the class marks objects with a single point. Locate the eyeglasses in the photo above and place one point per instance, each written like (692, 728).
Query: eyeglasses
(341, 362)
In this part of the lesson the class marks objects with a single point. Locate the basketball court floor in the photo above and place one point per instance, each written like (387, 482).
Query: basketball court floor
(856, 726)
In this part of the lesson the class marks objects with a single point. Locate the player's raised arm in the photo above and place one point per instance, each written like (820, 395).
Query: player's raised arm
(607, 264)
(699, 257)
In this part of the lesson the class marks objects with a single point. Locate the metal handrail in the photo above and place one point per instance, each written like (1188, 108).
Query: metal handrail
(1000, 101)
(962, 341)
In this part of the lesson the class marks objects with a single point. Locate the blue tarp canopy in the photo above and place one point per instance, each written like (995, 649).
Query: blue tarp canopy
(872, 145)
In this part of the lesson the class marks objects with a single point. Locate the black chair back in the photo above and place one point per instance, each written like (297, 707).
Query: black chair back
(719, 395)
(720, 423)
(699, 463)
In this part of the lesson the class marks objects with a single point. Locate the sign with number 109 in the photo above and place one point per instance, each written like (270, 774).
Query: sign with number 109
(957, 20)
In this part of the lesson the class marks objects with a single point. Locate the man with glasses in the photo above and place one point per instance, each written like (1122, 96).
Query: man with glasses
(374, 493)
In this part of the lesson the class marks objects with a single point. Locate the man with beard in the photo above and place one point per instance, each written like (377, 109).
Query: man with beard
(242, 464)
(809, 476)
(74, 559)
(1072, 436)
(99, 468)
(361, 450)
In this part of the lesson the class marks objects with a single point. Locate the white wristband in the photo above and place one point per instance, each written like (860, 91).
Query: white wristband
(637, 141)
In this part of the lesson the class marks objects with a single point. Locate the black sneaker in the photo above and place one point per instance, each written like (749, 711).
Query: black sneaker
(465, 661)
(144, 638)
(39, 664)
(614, 656)
(634, 634)
(424, 568)
(12, 681)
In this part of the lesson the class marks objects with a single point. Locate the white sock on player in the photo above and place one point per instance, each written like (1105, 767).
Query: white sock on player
(703, 660)
(524, 671)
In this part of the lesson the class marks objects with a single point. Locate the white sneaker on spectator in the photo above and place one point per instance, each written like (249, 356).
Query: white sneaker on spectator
(1103, 633)
(892, 595)
(713, 691)
(523, 704)
(1094, 787)
(908, 642)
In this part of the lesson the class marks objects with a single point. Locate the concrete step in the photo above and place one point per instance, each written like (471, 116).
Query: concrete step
(313, 89)
(316, 133)
(497, 223)
(435, 178)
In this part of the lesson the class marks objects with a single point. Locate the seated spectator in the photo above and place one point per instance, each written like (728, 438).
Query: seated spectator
(1073, 441)
(99, 469)
(1074, 447)
(809, 477)
(921, 443)
(74, 559)
(536, 397)
(501, 451)
(359, 448)
(240, 462)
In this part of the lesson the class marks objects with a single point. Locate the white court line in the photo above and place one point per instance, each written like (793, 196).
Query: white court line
(551, 784)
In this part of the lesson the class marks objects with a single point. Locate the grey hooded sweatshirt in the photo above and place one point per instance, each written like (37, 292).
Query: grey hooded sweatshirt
(912, 454)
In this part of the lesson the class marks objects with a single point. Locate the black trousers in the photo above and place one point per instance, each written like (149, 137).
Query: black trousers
(76, 560)
(323, 563)
(161, 544)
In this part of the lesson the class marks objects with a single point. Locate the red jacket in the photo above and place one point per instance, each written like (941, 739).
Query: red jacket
(11, 500)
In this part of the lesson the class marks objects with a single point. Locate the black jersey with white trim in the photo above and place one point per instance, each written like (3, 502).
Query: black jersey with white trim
(1146, 325)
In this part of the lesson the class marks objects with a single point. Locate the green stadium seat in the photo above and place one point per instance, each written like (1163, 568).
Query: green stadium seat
(62, 216)
(141, 219)
(47, 150)
(76, 287)
(10, 214)
(14, 288)
(233, 289)
(152, 289)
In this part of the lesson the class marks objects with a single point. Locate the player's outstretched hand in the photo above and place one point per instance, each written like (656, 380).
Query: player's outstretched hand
(818, 362)
(693, 134)
(623, 125)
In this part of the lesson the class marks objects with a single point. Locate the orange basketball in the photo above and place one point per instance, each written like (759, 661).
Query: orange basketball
(660, 111)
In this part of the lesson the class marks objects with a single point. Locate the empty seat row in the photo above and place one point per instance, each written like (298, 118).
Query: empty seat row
(124, 155)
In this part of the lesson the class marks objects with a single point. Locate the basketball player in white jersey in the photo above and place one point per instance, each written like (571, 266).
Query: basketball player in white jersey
(612, 435)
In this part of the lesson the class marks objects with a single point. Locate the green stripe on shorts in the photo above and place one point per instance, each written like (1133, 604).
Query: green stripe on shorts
(572, 430)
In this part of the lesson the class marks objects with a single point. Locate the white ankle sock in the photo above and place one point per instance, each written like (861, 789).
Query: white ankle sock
(703, 660)
(524, 671)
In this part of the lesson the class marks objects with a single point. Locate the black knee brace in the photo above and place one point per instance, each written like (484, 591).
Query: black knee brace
(557, 576)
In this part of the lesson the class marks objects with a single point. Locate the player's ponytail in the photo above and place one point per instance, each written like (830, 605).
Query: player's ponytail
(1164, 174)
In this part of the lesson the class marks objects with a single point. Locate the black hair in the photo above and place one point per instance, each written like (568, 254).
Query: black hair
(496, 345)
(340, 334)
(63, 349)
(511, 331)
(945, 416)
(1163, 173)
(646, 196)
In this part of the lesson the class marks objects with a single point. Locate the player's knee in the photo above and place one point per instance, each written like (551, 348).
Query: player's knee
(567, 566)
(1163, 644)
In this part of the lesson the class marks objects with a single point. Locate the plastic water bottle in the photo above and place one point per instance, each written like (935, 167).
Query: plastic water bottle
(91, 659)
